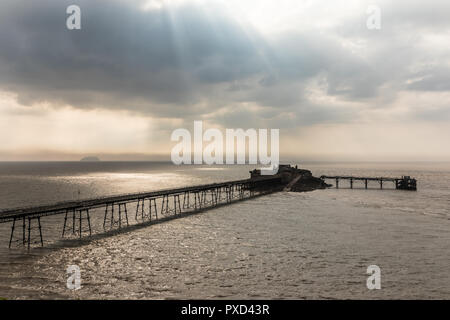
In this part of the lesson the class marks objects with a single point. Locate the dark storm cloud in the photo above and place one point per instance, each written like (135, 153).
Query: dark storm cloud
(123, 57)
(128, 58)
(191, 60)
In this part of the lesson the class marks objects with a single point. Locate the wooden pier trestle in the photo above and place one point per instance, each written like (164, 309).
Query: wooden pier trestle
(403, 183)
(26, 227)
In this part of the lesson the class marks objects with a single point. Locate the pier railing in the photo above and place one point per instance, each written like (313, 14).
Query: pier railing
(142, 207)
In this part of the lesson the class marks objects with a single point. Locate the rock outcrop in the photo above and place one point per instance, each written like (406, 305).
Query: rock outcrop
(308, 183)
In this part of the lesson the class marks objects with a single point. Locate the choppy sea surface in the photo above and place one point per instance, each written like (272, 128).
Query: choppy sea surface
(281, 246)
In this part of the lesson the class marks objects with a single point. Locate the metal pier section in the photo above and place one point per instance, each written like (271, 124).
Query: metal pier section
(26, 229)
(403, 183)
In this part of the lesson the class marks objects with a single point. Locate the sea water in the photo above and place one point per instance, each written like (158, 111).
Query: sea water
(281, 246)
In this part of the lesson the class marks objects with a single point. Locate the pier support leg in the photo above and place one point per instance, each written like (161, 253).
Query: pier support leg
(153, 200)
(165, 204)
(40, 231)
(26, 232)
(176, 204)
(89, 222)
(241, 192)
(229, 193)
(337, 183)
(109, 211)
(195, 200)
(105, 217)
(126, 213)
(252, 191)
(66, 217)
(186, 199)
(141, 214)
(65, 222)
(214, 195)
(381, 184)
(23, 231)
(83, 214)
(12, 232)
(123, 209)
(213, 202)
(29, 233)
(122, 215)
(205, 198)
(365, 182)
(139, 206)
(198, 200)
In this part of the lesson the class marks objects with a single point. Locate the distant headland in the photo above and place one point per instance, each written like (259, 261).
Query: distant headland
(90, 159)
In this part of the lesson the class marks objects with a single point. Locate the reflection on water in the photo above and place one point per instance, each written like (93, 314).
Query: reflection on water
(285, 245)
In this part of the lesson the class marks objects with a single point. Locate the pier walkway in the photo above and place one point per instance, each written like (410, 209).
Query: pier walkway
(146, 207)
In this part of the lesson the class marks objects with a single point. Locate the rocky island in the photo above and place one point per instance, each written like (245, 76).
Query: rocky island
(90, 159)
(295, 179)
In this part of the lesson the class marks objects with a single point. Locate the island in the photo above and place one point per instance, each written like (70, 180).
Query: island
(90, 159)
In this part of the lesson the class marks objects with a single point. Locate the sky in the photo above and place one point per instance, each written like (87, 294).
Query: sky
(137, 70)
